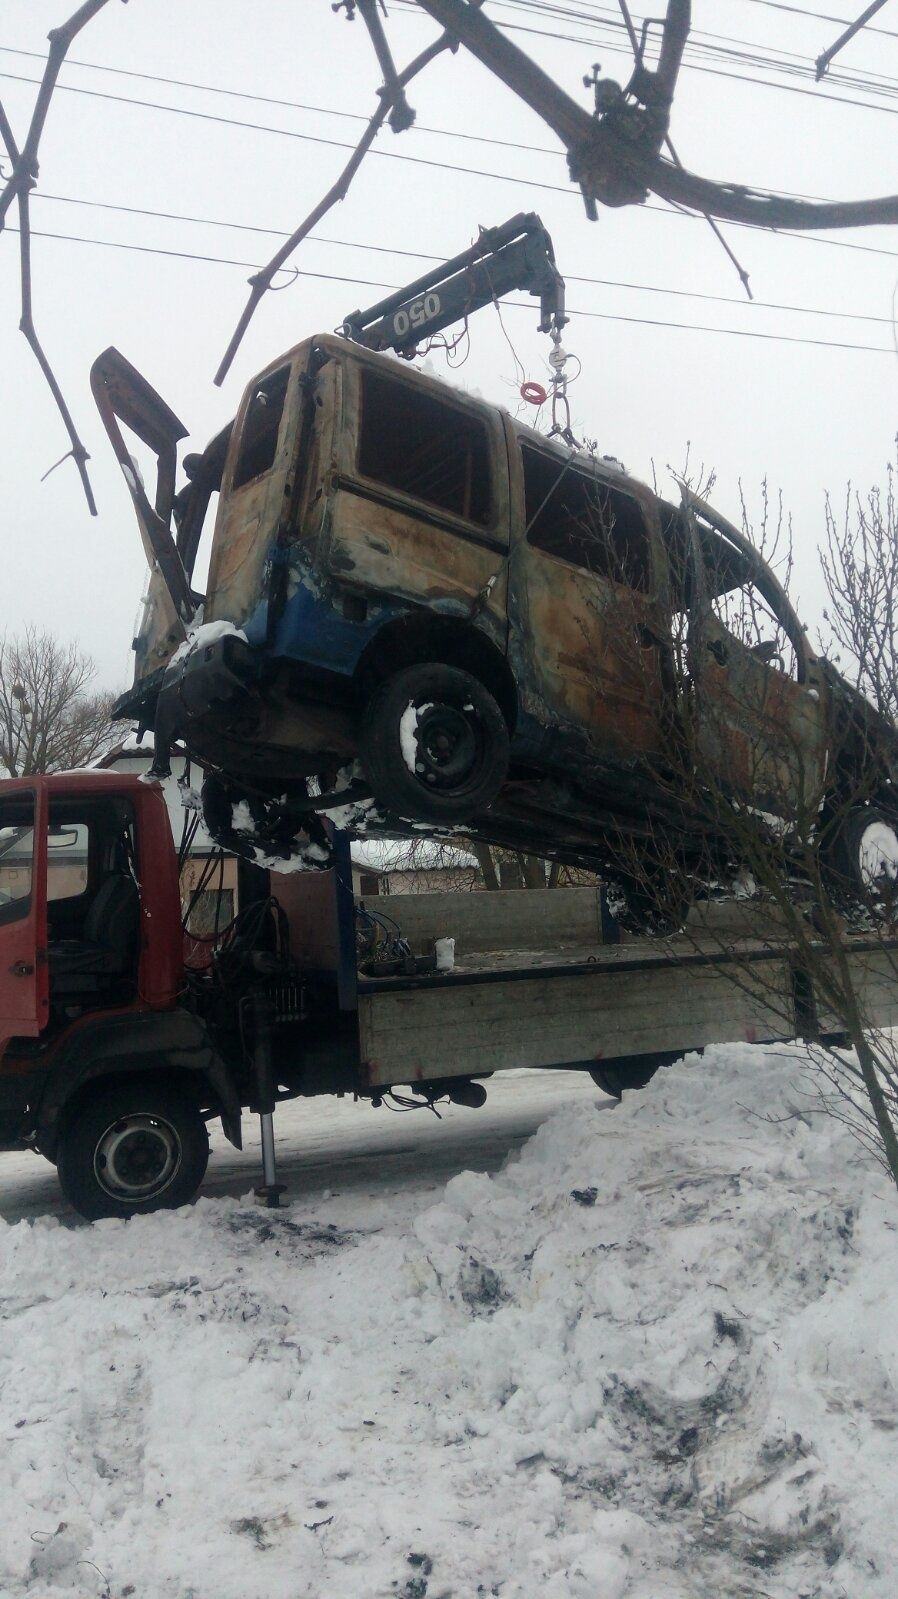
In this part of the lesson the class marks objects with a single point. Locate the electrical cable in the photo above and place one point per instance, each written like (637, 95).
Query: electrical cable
(604, 316)
(817, 16)
(790, 62)
(420, 255)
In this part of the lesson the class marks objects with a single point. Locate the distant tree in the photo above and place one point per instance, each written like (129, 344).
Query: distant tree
(50, 718)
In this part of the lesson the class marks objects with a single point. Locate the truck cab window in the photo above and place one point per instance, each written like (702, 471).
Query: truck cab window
(261, 426)
(16, 857)
(578, 518)
(68, 859)
(435, 452)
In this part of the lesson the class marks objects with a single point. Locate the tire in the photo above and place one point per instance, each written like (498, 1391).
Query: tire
(456, 741)
(862, 862)
(138, 1146)
(655, 905)
(616, 1080)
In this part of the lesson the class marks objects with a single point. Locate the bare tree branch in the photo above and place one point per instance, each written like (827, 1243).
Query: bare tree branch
(823, 61)
(261, 281)
(50, 719)
(18, 187)
(615, 157)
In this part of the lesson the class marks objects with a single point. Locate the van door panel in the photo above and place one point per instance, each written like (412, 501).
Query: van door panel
(382, 540)
(587, 651)
(762, 734)
(254, 485)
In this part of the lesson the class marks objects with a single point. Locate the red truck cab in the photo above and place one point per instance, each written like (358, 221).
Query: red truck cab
(92, 1020)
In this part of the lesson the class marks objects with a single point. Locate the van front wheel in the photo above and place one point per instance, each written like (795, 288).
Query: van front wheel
(434, 744)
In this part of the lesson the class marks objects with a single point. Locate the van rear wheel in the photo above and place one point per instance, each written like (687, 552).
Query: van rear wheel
(434, 744)
(862, 863)
(137, 1146)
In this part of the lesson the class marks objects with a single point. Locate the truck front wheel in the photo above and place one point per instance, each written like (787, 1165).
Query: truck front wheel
(135, 1146)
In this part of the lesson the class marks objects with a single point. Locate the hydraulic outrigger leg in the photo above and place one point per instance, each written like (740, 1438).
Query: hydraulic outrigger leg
(269, 1193)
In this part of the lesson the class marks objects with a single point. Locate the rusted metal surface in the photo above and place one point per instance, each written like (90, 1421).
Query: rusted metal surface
(599, 625)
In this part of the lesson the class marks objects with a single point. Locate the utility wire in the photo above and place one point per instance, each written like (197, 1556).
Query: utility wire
(890, 87)
(332, 111)
(617, 46)
(448, 166)
(816, 16)
(589, 13)
(604, 316)
(420, 255)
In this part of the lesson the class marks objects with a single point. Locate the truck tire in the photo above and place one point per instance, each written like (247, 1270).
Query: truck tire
(862, 863)
(446, 761)
(135, 1146)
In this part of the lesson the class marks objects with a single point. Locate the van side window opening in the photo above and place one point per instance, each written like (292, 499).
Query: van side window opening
(580, 519)
(423, 447)
(748, 617)
(261, 426)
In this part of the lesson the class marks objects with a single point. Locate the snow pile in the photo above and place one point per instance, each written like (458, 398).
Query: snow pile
(655, 1357)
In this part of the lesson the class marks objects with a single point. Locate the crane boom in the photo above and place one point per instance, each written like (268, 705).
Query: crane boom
(517, 255)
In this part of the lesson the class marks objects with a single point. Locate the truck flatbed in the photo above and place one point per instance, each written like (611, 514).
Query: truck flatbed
(585, 1004)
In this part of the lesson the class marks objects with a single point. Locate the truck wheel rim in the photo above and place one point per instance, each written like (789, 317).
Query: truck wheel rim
(137, 1157)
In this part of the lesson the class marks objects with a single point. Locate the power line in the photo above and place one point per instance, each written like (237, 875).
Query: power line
(617, 46)
(604, 316)
(395, 155)
(502, 177)
(291, 133)
(889, 86)
(420, 255)
(267, 99)
(318, 110)
(817, 16)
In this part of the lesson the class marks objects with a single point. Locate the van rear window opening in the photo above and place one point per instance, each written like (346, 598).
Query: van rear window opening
(422, 447)
(259, 441)
(576, 517)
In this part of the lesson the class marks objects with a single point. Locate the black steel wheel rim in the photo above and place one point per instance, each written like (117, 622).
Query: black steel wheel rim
(451, 744)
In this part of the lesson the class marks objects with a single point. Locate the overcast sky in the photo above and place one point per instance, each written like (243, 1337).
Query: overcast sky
(807, 417)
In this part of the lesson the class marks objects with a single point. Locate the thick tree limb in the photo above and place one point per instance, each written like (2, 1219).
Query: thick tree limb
(18, 187)
(617, 170)
(261, 281)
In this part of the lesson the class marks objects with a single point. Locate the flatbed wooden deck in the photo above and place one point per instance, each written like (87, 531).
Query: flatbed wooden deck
(586, 1003)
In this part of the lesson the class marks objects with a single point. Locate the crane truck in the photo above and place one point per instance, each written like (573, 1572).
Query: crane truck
(117, 1052)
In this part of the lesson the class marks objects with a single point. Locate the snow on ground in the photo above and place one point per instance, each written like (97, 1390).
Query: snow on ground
(653, 1356)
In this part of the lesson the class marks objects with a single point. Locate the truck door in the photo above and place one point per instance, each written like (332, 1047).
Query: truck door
(23, 912)
(588, 628)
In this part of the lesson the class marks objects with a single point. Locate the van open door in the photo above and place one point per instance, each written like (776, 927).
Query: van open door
(123, 395)
(24, 980)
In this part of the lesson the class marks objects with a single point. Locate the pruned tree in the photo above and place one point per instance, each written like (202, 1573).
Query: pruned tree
(50, 717)
(785, 776)
(860, 569)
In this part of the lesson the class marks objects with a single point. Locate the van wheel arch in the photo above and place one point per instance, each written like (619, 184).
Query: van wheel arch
(425, 637)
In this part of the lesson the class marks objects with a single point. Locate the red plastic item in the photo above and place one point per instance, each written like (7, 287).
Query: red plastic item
(534, 393)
